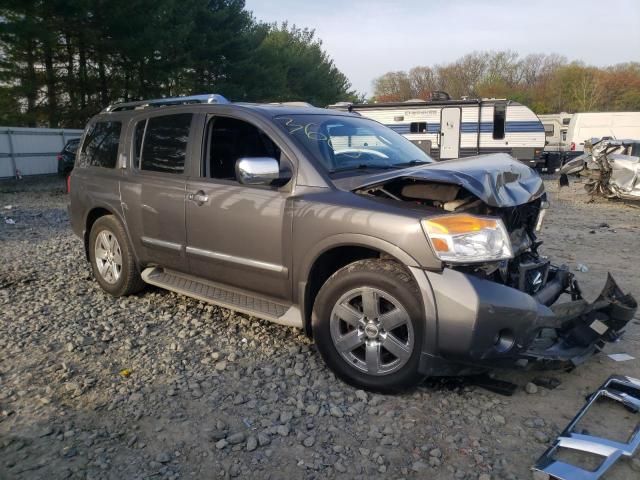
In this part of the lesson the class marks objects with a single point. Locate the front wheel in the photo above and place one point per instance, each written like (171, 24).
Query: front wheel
(368, 325)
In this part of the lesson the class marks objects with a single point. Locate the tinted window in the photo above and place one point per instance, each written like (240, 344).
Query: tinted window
(72, 145)
(499, 114)
(165, 143)
(232, 139)
(100, 147)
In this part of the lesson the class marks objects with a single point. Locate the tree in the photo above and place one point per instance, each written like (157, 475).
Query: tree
(61, 61)
(544, 82)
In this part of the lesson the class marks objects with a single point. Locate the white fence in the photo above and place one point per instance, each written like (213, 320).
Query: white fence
(32, 151)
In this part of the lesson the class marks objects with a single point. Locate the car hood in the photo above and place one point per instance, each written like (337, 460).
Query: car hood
(497, 179)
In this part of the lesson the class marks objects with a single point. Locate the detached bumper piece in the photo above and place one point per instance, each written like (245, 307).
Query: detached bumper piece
(625, 391)
(582, 328)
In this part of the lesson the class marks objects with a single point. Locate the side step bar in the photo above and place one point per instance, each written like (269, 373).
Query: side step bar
(223, 296)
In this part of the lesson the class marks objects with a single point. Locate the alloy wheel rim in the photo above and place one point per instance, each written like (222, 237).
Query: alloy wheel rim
(372, 331)
(108, 256)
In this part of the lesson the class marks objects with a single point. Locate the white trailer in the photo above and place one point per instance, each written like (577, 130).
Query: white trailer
(32, 151)
(448, 129)
(556, 126)
(616, 125)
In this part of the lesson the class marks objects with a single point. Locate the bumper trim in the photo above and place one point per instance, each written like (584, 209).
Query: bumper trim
(625, 391)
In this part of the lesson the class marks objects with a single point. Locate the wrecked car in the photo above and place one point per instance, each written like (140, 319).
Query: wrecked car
(611, 168)
(399, 267)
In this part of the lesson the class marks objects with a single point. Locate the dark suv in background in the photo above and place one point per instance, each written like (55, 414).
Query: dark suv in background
(398, 266)
(67, 157)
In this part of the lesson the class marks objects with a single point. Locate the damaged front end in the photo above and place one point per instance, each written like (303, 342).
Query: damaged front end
(577, 329)
(504, 312)
(611, 167)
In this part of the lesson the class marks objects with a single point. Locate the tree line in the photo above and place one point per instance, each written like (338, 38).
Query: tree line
(61, 61)
(547, 83)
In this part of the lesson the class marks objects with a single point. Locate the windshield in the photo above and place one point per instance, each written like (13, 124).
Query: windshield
(343, 143)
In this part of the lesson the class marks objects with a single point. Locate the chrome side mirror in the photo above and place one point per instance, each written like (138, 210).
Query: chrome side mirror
(257, 170)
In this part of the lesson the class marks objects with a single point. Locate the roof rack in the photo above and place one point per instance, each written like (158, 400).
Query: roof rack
(161, 102)
(292, 104)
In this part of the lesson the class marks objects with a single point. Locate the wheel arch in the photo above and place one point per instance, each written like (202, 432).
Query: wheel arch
(332, 254)
(92, 216)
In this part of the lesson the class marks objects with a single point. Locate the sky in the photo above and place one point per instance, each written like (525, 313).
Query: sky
(368, 38)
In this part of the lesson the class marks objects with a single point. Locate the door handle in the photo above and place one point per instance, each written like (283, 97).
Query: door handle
(199, 197)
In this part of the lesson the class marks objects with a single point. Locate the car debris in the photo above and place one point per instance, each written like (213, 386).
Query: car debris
(625, 391)
(612, 168)
(620, 357)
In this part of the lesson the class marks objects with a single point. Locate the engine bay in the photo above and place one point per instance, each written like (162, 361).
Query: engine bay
(527, 271)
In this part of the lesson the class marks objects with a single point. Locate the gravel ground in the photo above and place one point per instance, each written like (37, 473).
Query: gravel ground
(161, 386)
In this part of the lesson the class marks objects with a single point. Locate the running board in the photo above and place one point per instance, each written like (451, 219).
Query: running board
(223, 296)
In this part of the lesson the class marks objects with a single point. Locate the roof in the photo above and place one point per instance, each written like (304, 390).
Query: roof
(210, 100)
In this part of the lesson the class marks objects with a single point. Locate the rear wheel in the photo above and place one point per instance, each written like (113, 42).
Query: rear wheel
(112, 260)
(368, 325)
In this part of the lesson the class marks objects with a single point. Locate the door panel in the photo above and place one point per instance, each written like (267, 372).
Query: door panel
(239, 236)
(450, 133)
(154, 189)
(163, 220)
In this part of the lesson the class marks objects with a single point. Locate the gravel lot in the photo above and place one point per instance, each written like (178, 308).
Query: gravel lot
(161, 386)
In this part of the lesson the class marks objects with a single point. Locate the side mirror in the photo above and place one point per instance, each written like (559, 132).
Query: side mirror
(257, 170)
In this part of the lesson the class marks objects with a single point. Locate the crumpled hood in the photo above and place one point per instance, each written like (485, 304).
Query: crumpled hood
(497, 179)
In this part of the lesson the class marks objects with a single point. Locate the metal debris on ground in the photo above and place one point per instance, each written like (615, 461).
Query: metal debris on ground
(625, 391)
(581, 267)
(620, 357)
(612, 168)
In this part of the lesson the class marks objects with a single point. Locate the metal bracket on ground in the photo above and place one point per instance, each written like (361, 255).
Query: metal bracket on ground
(626, 391)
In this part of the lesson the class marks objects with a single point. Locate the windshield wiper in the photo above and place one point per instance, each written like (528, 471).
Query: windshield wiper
(411, 163)
(362, 166)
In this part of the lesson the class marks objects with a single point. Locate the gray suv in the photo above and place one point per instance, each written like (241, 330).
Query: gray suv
(399, 267)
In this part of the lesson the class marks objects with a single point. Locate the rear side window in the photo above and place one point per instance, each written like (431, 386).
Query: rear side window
(100, 147)
(72, 146)
(164, 147)
(499, 117)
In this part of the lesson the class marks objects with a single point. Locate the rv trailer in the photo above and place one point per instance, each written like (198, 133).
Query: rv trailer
(447, 129)
(555, 126)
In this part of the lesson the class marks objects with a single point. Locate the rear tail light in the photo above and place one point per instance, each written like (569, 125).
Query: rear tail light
(573, 146)
(59, 157)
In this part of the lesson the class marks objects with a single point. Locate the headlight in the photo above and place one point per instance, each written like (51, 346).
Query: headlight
(468, 238)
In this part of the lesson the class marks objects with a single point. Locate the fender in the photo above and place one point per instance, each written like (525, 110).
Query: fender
(358, 240)
(352, 240)
(112, 211)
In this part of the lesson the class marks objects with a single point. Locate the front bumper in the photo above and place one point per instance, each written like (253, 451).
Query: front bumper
(483, 324)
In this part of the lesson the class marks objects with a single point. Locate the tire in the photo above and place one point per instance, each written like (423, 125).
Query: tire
(112, 260)
(356, 346)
